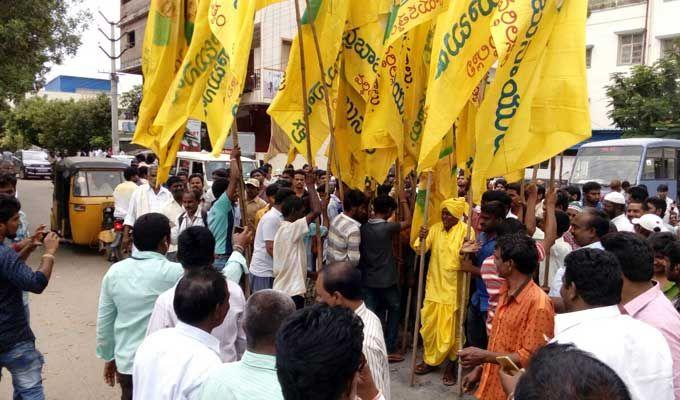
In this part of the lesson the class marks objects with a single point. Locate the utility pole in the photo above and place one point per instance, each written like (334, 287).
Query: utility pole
(115, 146)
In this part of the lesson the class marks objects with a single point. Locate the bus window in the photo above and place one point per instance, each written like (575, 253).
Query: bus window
(197, 167)
(659, 164)
(602, 164)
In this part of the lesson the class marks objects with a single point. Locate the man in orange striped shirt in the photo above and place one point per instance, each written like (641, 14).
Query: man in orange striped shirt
(524, 318)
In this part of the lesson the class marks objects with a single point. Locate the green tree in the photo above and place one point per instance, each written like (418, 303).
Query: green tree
(130, 101)
(646, 101)
(33, 34)
(58, 125)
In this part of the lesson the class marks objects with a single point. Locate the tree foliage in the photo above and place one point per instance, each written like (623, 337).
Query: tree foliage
(33, 34)
(646, 101)
(130, 101)
(58, 125)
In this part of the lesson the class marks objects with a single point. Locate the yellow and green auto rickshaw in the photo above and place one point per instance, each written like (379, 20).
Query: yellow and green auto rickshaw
(82, 204)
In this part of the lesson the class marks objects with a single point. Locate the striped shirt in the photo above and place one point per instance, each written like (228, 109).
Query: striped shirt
(494, 283)
(375, 350)
(344, 238)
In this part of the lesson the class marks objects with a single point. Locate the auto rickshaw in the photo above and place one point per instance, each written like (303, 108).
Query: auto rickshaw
(83, 197)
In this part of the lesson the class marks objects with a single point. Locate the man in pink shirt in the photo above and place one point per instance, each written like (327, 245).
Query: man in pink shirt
(642, 297)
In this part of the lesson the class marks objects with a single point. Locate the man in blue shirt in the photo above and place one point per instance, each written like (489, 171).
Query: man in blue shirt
(493, 213)
(221, 214)
(128, 294)
(17, 342)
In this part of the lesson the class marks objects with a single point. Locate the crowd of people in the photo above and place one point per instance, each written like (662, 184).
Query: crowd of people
(295, 287)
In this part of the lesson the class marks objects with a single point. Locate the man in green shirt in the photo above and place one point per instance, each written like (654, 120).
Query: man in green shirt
(254, 377)
(128, 294)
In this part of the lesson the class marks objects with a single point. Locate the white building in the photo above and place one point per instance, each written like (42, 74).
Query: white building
(621, 34)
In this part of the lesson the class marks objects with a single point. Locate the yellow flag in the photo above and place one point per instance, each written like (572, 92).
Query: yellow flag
(407, 14)
(465, 130)
(463, 51)
(184, 100)
(165, 41)
(443, 186)
(362, 48)
(233, 23)
(349, 119)
(286, 109)
(537, 105)
(417, 45)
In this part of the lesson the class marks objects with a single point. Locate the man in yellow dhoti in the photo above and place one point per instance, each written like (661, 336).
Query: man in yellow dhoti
(441, 311)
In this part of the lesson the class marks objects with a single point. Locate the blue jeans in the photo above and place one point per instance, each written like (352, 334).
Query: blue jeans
(381, 300)
(220, 261)
(24, 363)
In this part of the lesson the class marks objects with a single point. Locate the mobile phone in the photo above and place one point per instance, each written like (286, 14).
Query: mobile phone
(507, 365)
(239, 229)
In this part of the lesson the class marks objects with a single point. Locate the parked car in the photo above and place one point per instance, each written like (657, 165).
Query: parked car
(32, 163)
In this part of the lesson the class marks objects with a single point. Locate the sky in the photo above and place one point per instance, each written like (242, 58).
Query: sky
(90, 61)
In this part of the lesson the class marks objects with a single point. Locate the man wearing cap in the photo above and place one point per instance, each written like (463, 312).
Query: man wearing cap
(615, 207)
(253, 200)
(648, 224)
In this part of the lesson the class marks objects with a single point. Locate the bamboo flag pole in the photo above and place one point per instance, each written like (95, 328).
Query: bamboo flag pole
(409, 297)
(551, 187)
(242, 201)
(421, 272)
(464, 293)
(329, 113)
(305, 112)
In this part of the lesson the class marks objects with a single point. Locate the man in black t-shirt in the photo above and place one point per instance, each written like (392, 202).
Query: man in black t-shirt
(379, 268)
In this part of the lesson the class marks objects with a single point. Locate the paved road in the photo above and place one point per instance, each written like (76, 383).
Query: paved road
(64, 319)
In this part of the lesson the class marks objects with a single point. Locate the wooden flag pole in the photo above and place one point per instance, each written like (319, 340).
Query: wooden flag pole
(409, 297)
(329, 112)
(534, 174)
(242, 201)
(421, 272)
(305, 112)
(551, 188)
(464, 293)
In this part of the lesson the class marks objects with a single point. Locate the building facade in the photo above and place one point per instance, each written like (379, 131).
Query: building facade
(619, 35)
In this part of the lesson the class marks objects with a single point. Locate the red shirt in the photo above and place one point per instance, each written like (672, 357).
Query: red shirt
(494, 283)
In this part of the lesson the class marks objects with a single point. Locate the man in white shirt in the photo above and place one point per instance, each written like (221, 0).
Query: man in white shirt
(588, 227)
(123, 193)
(662, 193)
(196, 250)
(262, 263)
(145, 199)
(173, 209)
(639, 354)
(615, 207)
(172, 364)
(339, 284)
(290, 251)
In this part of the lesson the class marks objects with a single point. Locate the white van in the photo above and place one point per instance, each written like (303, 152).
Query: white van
(203, 162)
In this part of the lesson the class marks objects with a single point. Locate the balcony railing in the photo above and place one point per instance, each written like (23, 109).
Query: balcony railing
(595, 5)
